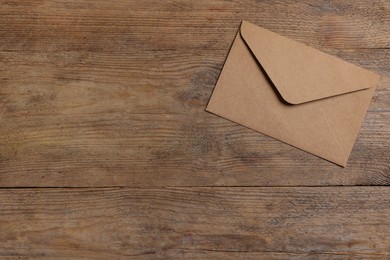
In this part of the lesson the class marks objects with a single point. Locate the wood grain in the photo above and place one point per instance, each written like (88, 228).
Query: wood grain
(178, 24)
(197, 222)
(146, 150)
(81, 119)
(134, 82)
(105, 99)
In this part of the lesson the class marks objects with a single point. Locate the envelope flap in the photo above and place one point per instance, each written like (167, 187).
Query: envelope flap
(301, 73)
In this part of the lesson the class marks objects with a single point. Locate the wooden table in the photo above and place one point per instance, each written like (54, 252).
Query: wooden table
(106, 151)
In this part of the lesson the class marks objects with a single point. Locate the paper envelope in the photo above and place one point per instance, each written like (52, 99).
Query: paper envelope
(293, 93)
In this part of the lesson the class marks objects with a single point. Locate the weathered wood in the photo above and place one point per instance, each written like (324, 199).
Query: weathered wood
(300, 223)
(189, 254)
(105, 119)
(152, 24)
(135, 82)
(145, 150)
(111, 93)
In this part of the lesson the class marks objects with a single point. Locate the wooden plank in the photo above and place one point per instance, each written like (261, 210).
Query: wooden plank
(135, 82)
(323, 222)
(182, 254)
(144, 150)
(175, 150)
(68, 120)
(151, 24)
(189, 254)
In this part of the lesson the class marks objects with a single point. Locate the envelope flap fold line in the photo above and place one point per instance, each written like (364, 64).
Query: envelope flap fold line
(300, 73)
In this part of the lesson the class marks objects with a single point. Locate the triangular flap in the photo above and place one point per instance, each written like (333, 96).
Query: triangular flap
(301, 73)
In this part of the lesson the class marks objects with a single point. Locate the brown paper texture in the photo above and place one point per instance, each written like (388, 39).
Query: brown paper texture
(293, 93)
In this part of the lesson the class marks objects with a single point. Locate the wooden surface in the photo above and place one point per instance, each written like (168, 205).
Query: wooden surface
(102, 124)
(213, 222)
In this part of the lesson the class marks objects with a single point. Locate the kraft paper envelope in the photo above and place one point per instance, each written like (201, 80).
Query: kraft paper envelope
(293, 93)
